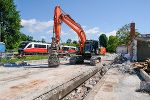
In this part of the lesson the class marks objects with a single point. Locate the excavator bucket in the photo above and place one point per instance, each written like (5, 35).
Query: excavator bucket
(53, 59)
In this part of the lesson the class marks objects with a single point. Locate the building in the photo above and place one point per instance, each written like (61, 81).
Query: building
(122, 49)
(141, 48)
(138, 46)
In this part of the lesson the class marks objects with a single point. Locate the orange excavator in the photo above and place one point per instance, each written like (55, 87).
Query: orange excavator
(89, 49)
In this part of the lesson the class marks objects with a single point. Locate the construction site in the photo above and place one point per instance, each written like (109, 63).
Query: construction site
(113, 68)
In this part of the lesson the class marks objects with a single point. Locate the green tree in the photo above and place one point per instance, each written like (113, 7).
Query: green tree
(29, 38)
(113, 42)
(74, 42)
(124, 34)
(10, 24)
(103, 40)
(43, 40)
(69, 41)
(23, 37)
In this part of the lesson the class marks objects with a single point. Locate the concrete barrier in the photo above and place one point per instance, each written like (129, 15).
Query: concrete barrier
(145, 75)
(145, 85)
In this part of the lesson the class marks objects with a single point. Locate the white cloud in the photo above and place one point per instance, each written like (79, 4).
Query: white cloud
(50, 31)
(34, 26)
(43, 37)
(93, 30)
(64, 33)
(70, 32)
(111, 33)
(92, 33)
(83, 26)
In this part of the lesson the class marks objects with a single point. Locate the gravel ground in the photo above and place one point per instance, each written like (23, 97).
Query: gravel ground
(32, 82)
(28, 82)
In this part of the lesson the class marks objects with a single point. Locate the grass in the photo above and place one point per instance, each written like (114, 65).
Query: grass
(25, 58)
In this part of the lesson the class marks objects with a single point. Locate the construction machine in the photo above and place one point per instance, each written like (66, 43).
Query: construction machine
(89, 49)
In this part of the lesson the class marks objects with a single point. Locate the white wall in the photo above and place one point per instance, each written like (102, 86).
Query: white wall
(121, 49)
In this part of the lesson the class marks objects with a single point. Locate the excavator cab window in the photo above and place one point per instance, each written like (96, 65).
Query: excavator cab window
(95, 46)
(88, 48)
(91, 46)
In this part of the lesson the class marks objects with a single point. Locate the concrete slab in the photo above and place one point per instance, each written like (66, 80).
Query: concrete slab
(29, 83)
(145, 75)
(117, 86)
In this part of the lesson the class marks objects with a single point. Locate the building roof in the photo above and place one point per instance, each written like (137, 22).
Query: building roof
(143, 37)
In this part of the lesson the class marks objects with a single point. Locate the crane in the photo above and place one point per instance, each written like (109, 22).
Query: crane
(87, 47)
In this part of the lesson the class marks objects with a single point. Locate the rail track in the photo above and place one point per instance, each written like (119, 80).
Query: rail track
(78, 87)
(80, 92)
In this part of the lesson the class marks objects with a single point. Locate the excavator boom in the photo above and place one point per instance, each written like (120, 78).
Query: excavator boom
(60, 17)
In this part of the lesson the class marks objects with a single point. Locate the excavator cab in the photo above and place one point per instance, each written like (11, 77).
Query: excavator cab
(90, 52)
(91, 48)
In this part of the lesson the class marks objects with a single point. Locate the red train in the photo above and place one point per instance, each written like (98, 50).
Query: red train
(37, 47)
(33, 47)
(67, 49)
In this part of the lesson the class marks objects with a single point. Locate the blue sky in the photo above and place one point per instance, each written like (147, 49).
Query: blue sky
(95, 16)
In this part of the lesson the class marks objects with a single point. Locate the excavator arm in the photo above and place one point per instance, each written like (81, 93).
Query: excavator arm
(60, 17)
